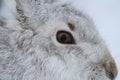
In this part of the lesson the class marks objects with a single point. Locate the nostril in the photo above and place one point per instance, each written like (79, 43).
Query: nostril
(111, 76)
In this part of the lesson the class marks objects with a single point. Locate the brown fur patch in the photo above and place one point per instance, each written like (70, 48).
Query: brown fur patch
(71, 26)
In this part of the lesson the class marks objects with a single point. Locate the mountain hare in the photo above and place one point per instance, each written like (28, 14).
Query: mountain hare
(49, 40)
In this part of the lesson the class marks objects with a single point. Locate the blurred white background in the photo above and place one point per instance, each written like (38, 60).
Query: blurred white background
(106, 15)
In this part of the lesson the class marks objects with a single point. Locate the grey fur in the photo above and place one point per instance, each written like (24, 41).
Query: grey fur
(29, 49)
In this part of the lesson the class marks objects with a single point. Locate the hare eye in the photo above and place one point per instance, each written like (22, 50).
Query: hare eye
(65, 37)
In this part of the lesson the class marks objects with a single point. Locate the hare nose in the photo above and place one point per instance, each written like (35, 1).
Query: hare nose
(111, 70)
(111, 76)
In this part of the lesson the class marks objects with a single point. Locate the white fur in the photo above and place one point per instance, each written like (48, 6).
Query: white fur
(29, 49)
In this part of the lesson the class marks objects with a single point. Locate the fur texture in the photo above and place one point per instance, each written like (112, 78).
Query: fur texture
(29, 49)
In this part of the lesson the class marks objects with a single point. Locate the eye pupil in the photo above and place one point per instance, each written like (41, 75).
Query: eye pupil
(63, 38)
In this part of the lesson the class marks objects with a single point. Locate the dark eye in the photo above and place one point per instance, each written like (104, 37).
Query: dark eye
(65, 37)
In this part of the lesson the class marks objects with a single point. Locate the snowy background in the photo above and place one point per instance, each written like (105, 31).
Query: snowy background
(106, 15)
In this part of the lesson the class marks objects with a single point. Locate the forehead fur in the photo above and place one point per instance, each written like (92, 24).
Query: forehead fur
(38, 15)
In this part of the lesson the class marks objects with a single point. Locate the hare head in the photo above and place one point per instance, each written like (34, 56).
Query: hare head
(62, 42)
